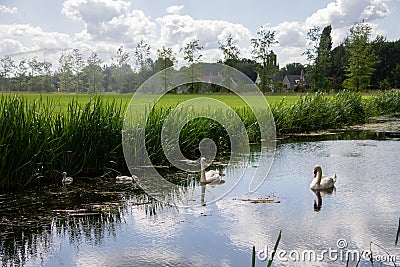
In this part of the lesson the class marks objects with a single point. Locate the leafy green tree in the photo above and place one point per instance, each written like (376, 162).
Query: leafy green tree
(230, 51)
(396, 76)
(77, 66)
(248, 67)
(21, 71)
(121, 71)
(142, 55)
(362, 58)
(339, 59)
(144, 64)
(65, 73)
(191, 53)
(166, 59)
(7, 67)
(292, 69)
(231, 54)
(319, 57)
(313, 36)
(34, 80)
(265, 57)
(323, 63)
(388, 53)
(45, 77)
(93, 74)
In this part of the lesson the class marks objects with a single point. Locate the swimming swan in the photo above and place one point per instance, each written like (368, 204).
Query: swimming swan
(65, 179)
(322, 182)
(209, 177)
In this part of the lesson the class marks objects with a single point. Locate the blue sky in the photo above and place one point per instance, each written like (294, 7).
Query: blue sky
(104, 25)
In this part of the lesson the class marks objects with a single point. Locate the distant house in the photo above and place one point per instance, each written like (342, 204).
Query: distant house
(277, 78)
(292, 81)
(274, 78)
(287, 82)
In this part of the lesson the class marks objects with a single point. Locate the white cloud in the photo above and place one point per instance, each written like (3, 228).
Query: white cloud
(110, 21)
(290, 34)
(177, 30)
(341, 14)
(174, 9)
(344, 13)
(94, 11)
(376, 10)
(9, 10)
(10, 46)
(23, 40)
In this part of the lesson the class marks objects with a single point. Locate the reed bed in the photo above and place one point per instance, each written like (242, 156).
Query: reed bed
(38, 142)
(319, 112)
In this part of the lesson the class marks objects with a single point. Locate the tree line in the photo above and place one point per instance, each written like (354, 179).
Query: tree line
(357, 63)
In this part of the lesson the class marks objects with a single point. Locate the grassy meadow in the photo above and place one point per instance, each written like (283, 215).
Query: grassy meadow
(61, 101)
(43, 135)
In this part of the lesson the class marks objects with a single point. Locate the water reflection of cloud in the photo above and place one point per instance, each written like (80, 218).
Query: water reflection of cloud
(363, 209)
(148, 257)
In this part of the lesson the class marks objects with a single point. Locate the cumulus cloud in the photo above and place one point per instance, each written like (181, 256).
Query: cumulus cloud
(9, 10)
(344, 13)
(111, 21)
(174, 9)
(177, 30)
(94, 11)
(21, 39)
(341, 14)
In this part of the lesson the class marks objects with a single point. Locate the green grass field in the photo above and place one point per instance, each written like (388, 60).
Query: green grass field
(61, 100)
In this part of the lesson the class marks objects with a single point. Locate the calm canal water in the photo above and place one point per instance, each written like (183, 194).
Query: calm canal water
(363, 208)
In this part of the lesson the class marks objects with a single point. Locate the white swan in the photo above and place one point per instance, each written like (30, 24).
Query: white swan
(65, 179)
(124, 178)
(209, 177)
(322, 182)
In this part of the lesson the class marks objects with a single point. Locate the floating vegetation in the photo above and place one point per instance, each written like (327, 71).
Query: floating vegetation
(261, 201)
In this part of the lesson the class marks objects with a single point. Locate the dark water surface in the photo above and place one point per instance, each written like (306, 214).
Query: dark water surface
(364, 208)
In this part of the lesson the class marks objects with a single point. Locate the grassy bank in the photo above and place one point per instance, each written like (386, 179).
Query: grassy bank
(39, 140)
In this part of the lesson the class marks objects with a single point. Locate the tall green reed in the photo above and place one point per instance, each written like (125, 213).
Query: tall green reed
(382, 103)
(319, 112)
(38, 142)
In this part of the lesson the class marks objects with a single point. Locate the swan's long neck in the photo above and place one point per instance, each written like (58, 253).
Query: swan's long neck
(203, 173)
(319, 176)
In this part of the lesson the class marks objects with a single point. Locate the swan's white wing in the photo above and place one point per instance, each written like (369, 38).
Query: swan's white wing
(327, 182)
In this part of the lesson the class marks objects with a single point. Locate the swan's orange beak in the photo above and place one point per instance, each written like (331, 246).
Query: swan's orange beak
(315, 173)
